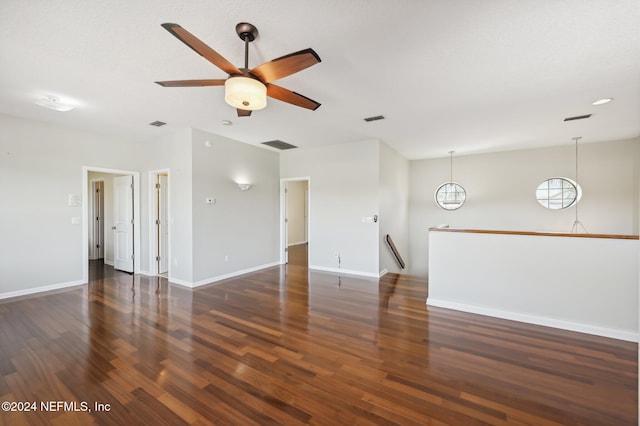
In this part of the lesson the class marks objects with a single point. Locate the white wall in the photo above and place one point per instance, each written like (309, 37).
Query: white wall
(296, 208)
(173, 152)
(501, 192)
(40, 165)
(242, 226)
(394, 208)
(343, 190)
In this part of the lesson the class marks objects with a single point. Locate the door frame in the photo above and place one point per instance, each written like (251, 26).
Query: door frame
(283, 211)
(153, 205)
(85, 216)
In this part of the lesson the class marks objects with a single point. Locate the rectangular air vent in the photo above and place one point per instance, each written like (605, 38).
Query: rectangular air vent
(278, 144)
(157, 123)
(377, 117)
(577, 117)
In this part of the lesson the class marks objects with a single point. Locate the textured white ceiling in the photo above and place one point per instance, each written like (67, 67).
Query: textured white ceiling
(465, 75)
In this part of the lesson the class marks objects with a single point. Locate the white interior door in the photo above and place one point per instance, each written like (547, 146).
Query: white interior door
(163, 224)
(123, 223)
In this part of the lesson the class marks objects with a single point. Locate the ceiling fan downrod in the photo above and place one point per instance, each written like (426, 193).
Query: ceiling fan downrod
(247, 33)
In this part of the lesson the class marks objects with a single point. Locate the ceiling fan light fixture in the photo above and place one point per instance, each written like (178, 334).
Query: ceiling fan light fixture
(245, 93)
(52, 102)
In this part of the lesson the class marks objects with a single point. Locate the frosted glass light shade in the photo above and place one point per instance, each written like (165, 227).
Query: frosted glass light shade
(245, 93)
(450, 196)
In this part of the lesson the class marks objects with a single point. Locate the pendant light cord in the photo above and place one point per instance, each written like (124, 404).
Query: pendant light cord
(576, 223)
(576, 177)
(451, 166)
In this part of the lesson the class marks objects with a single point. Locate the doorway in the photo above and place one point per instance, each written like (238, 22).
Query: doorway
(118, 200)
(295, 221)
(159, 229)
(96, 219)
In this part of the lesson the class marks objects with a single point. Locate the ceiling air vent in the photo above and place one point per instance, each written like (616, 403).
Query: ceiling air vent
(278, 144)
(577, 117)
(377, 117)
(157, 123)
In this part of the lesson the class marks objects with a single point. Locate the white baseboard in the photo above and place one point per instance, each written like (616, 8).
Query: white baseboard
(534, 319)
(341, 271)
(221, 277)
(178, 281)
(383, 273)
(41, 289)
(108, 262)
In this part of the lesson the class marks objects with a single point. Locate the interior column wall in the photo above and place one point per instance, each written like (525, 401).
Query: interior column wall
(344, 192)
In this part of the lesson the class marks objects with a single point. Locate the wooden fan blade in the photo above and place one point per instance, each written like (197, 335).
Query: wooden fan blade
(290, 97)
(243, 112)
(191, 83)
(286, 65)
(201, 48)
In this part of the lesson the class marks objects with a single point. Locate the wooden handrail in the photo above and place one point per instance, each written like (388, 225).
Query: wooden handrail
(544, 234)
(394, 250)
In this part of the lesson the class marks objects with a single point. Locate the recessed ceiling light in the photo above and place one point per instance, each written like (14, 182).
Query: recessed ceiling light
(157, 123)
(602, 101)
(226, 123)
(53, 103)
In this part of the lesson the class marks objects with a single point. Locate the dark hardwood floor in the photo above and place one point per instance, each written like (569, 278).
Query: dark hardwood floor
(299, 255)
(288, 346)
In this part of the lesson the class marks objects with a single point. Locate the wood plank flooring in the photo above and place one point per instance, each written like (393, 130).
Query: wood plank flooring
(288, 346)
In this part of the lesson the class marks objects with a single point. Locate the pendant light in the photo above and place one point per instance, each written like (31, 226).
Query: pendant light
(450, 195)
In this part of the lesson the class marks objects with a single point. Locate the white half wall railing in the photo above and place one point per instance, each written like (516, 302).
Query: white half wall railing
(580, 282)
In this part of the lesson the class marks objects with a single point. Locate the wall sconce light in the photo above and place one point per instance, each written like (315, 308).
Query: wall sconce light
(244, 186)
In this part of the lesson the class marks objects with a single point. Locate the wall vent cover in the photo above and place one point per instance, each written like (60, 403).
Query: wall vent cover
(278, 144)
(375, 118)
(157, 123)
(577, 117)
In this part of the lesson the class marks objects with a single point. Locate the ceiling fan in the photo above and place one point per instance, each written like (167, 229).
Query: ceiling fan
(247, 89)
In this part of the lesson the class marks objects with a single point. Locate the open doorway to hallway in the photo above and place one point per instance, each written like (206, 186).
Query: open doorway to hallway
(110, 216)
(296, 221)
(111, 210)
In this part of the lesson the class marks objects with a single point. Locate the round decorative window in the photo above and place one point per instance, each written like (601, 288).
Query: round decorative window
(558, 193)
(450, 196)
